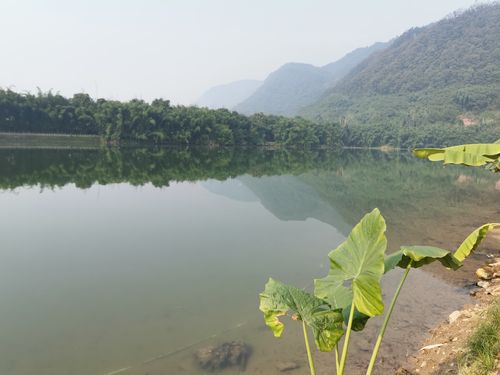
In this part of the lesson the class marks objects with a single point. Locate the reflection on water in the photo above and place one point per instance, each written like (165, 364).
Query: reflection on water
(113, 258)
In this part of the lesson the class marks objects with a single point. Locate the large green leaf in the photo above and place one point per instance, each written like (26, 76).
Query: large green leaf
(422, 255)
(359, 320)
(472, 241)
(356, 267)
(332, 288)
(419, 255)
(279, 299)
(471, 154)
(392, 260)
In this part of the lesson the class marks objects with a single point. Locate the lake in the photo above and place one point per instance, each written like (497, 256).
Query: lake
(127, 261)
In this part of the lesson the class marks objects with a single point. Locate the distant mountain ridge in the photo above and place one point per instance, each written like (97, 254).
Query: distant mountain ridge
(228, 95)
(286, 90)
(295, 85)
(446, 72)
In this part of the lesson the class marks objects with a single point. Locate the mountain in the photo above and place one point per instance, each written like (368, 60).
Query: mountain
(228, 95)
(340, 68)
(294, 85)
(446, 72)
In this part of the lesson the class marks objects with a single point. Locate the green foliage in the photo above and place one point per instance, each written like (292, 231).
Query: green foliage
(483, 347)
(474, 155)
(353, 285)
(472, 241)
(159, 122)
(410, 136)
(359, 263)
(279, 299)
(418, 256)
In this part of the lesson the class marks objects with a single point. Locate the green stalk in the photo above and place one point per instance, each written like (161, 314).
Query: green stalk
(308, 348)
(345, 348)
(386, 320)
(337, 364)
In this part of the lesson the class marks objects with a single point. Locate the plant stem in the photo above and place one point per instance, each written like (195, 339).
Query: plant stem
(308, 348)
(386, 320)
(337, 364)
(345, 348)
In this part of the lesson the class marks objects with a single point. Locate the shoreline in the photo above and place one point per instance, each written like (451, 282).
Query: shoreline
(40, 140)
(442, 351)
(61, 140)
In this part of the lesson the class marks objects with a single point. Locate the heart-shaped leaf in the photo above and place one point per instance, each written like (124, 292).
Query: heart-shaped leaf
(422, 255)
(473, 240)
(279, 299)
(392, 260)
(356, 267)
(419, 255)
(340, 297)
(359, 320)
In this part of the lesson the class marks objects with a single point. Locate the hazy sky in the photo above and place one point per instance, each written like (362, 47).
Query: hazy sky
(176, 49)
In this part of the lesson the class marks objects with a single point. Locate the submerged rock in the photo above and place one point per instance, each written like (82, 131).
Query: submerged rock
(284, 366)
(215, 358)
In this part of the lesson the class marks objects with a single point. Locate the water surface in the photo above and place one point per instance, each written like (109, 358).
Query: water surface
(133, 259)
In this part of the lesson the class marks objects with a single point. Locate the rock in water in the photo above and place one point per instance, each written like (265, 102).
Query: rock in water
(215, 358)
(287, 366)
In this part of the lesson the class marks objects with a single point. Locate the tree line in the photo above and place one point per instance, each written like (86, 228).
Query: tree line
(157, 122)
(406, 136)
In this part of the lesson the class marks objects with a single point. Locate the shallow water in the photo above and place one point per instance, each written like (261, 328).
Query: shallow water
(110, 259)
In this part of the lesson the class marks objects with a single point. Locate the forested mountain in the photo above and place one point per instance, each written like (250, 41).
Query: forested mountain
(228, 95)
(446, 72)
(294, 85)
(340, 68)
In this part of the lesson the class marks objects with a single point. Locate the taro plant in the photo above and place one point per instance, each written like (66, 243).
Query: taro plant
(351, 293)
(476, 155)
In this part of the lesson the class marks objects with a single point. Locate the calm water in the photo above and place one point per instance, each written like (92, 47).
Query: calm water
(110, 259)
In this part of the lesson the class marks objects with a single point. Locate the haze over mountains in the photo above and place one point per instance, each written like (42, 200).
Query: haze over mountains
(228, 95)
(445, 72)
(286, 90)
(294, 86)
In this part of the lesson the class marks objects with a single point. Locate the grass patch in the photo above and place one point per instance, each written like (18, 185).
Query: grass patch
(483, 347)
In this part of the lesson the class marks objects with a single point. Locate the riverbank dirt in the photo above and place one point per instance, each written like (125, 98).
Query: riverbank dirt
(439, 354)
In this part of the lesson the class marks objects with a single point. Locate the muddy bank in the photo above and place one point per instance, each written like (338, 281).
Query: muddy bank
(440, 353)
